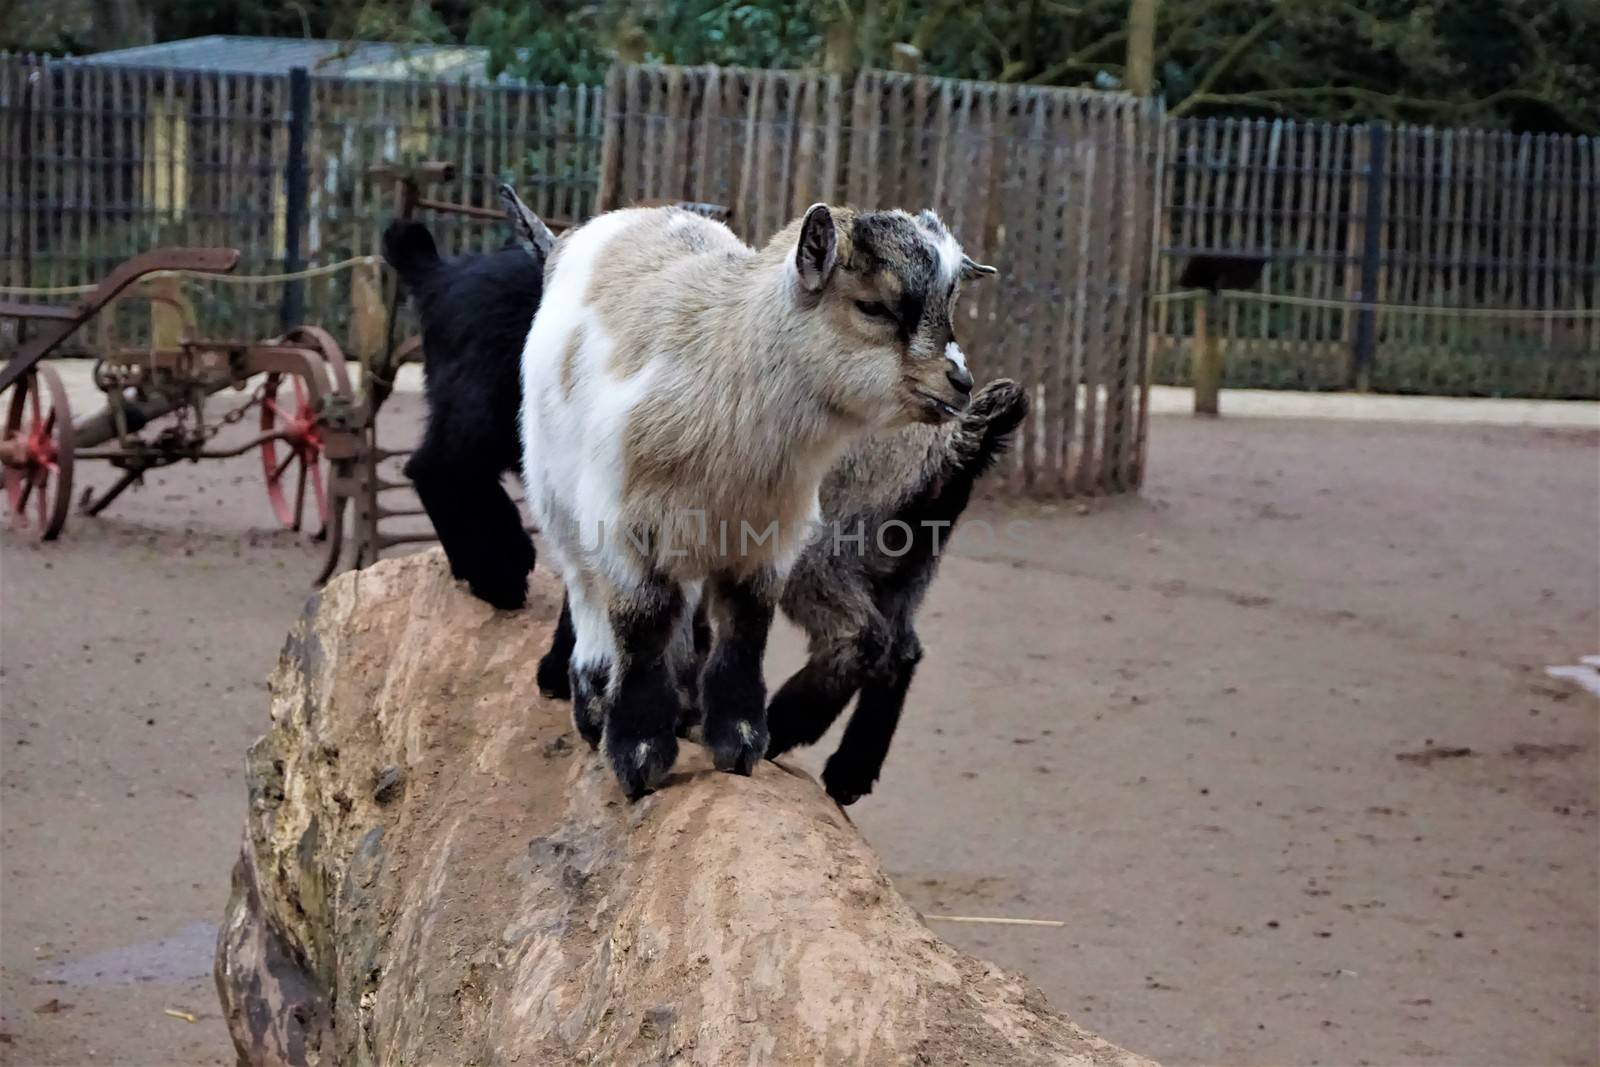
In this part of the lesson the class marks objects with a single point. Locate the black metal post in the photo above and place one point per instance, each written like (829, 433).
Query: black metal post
(30, 211)
(294, 178)
(1371, 256)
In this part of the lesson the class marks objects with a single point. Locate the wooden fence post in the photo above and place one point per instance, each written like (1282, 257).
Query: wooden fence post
(607, 194)
(369, 313)
(294, 199)
(1371, 256)
(1207, 370)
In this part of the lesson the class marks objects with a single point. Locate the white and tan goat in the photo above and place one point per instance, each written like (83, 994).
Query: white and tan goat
(683, 397)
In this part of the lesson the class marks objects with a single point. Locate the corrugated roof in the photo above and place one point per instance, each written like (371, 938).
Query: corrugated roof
(277, 55)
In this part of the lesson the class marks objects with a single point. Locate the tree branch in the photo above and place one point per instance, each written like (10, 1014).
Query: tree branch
(1079, 59)
(1225, 63)
(1187, 22)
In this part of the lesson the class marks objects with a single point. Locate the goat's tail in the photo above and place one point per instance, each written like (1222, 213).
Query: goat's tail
(409, 249)
(983, 432)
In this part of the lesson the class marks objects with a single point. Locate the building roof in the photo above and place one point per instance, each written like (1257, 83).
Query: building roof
(277, 55)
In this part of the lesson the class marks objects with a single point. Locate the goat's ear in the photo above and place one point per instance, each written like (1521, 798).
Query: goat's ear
(532, 234)
(971, 268)
(817, 252)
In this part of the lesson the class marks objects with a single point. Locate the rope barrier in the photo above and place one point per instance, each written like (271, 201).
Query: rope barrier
(1357, 305)
(1158, 298)
(232, 279)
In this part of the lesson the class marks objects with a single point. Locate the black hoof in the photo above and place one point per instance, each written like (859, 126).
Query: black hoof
(845, 784)
(508, 591)
(738, 745)
(587, 729)
(641, 763)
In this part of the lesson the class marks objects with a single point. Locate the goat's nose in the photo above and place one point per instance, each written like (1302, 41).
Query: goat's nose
(959, 377)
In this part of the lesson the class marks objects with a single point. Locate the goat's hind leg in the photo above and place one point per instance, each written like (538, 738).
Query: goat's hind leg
(852, 771)
(590, 659)
(641, 724)
(479, 527)
(553, 675)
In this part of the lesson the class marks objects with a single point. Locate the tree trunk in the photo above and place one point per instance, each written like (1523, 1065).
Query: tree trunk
(435, 870)
(1140, 71)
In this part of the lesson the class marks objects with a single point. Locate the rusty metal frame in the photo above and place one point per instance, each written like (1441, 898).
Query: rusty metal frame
(196, 367)
(69, 317)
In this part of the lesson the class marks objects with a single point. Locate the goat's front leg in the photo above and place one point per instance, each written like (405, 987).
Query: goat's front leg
(852, 770)
(807, 704)
(641, 725)
(686, 656)
(732, 690)
(847, 637)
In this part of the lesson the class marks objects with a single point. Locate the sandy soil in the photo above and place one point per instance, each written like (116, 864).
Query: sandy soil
(1188, 724)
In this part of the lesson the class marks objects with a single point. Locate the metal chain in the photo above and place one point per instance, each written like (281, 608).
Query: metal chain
(232, 417)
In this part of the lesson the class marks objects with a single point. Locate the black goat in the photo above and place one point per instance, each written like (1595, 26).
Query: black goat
(475, 312)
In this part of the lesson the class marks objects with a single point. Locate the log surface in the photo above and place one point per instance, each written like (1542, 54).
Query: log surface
(435, 870)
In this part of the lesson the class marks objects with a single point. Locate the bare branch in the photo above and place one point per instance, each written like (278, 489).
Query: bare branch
(1186, 22)
(1391, 105)
(1225, 63)
(1079, 59)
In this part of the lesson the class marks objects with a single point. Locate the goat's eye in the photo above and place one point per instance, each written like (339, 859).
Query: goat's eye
(875, 310)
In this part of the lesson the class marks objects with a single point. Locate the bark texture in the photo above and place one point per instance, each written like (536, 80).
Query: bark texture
(436, 871)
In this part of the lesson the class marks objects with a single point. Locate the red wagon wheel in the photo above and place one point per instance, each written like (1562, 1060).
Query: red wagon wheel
(36, 454)
(294, 464)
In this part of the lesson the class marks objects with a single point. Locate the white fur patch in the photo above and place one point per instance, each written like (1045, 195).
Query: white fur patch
(572, 445)
(747, 732)
(593, 643)
(945, 246)
(949, 257)
(953, 353)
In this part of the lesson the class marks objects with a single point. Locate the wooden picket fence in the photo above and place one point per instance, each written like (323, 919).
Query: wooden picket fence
(1056, 187)
(1443, 222)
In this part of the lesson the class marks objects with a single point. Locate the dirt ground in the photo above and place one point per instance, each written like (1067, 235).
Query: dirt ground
(1207, 727)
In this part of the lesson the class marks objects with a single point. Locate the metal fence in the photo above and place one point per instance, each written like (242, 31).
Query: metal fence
(99, 162)
(1056, 187)
(1443, 222)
